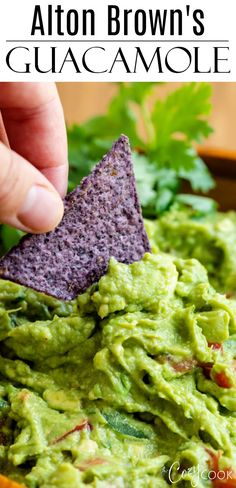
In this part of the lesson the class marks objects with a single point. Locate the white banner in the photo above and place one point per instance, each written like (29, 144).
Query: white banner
(120, 40)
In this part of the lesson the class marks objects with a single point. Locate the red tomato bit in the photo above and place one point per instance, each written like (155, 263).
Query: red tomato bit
(223, 478)
(222, 380)
(84, 425)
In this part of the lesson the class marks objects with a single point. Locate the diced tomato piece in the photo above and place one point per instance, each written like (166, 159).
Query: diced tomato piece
(84, 425)
(213, 462)
(225, 478)
(222, 380)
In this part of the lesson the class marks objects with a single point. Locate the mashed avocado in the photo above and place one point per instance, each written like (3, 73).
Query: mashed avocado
(210, 239)
(133, 384)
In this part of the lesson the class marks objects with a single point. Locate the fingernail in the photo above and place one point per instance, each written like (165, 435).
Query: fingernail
(42, 210)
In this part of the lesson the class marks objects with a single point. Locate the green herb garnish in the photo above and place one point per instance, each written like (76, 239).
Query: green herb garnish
(120, 423)
(164, 153)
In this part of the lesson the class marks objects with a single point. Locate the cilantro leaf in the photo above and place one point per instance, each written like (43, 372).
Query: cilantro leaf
(199, 176)
(182, 113)
(146, 176)
(120, 423)
(202, 205)
(137, 92)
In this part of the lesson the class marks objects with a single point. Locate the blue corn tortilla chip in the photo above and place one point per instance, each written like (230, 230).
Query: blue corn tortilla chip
(102, 219)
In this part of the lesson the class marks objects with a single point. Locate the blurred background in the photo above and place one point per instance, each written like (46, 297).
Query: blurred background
(83, 100)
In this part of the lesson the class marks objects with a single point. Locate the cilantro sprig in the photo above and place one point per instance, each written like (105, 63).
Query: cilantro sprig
(164, 152)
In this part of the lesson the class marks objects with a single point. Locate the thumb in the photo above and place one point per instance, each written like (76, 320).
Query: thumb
(28, 201)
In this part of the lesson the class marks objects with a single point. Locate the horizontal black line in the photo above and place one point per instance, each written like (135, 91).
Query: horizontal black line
(116, 40)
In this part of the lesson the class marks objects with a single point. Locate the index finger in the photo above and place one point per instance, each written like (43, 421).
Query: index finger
(35, 126)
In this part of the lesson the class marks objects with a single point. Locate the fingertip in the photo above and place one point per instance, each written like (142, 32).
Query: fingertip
(41, 211)
(35, 125)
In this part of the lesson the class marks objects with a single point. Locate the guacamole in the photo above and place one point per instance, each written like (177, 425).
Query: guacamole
(132, 384)
(210, 239)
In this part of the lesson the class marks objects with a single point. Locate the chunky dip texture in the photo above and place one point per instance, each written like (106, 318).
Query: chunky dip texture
(133, 384)
(210, 239)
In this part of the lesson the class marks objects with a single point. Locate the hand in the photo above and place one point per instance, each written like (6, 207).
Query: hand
(33, 156)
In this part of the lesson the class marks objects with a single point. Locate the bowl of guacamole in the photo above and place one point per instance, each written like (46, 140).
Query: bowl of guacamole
(133, 383)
